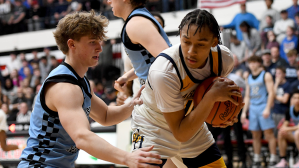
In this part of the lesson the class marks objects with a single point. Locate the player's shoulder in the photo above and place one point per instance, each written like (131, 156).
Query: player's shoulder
(138, 22)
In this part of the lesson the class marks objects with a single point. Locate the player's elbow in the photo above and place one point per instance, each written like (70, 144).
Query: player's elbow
(181, 138)
(80, 140)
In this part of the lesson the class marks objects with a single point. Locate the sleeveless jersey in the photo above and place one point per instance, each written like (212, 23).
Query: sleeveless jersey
(139, 56)
(149, 122)
(49, 145)
(293, 117)
(258, 90)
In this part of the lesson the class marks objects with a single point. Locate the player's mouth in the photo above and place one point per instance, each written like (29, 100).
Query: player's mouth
(96, 57)
(191, 61)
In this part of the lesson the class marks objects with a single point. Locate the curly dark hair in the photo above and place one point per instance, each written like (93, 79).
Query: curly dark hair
(201, 18)
(138, 3)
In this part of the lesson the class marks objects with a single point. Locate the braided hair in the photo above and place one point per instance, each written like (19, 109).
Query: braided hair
(201, 18)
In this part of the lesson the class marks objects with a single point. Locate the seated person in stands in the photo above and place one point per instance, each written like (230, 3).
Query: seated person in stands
(287, 132)
(23, 114)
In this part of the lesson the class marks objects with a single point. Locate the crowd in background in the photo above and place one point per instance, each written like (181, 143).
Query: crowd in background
(31, 15)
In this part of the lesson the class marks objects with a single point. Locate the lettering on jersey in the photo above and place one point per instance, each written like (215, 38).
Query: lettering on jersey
(137, 140)
(72, 149)
(189, 95)
(255, 92)
(87, 111)
(228, 110)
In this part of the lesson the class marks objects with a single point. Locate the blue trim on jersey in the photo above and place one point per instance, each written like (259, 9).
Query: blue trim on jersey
(140, 57)
(293, 117)
(49, 145)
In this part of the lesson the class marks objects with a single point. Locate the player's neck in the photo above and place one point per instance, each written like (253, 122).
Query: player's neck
(296, 108)
(257, 71)
(77, 66)
(127, 11)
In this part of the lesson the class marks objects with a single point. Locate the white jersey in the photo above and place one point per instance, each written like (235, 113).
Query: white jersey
(3, 123)
(170, 87)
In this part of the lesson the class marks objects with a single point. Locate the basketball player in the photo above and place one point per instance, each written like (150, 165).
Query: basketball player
(169, 90)
(143, 38)
(59, 124)
(259, 96)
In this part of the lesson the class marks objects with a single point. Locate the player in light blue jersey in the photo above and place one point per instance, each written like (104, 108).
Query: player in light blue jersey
(259, 97)
(59, 124)
(143, 38)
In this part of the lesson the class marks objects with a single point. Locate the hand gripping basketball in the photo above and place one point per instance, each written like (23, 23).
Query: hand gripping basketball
(223, 110)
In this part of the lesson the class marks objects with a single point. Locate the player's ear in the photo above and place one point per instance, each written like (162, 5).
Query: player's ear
(71, 44)
(215, 42)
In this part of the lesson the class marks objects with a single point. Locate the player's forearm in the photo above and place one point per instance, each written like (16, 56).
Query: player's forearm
(130, 75)
(190, 124)
(99, 148)
(117, 114)
(270, 100)
(247, 102)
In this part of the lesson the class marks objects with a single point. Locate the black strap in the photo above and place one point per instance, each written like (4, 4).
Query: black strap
(219, 60)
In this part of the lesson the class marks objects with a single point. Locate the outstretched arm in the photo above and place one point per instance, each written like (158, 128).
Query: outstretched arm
(74, 121)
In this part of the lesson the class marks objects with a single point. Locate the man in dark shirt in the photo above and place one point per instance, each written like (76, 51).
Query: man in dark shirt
(17, 19)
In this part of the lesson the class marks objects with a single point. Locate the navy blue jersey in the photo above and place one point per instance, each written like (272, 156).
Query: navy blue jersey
(139, 56)
(49, 145)
(281, 108)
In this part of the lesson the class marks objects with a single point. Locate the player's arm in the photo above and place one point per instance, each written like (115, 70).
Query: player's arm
(143, 31)
(111, 115)
(246, 101)
(184, 127)
(68, 102)
(269, 86)
(120, 83)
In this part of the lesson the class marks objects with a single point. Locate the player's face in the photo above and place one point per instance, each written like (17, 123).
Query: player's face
(295, 99)
(253, 66)
(88, 50)
(196, 47)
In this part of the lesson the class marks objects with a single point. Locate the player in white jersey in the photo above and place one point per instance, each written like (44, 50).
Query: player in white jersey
(169, 91)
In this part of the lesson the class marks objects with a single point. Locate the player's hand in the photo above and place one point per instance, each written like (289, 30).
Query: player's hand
(231, 121)
(266, 113)
(223, 90)
(283, 130)
(142, 157)
(121, 98)
(137, 100)
(120, 84)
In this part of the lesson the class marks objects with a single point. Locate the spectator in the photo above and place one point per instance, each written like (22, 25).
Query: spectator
(35, 17)
(293, 10)
(271, 40)
(291, 75)
(159, 18)
(60, 9)
(35, 80)
(297, 23)
(280, 26)
(17, 20)
(106, 57)
(24, 114)
(288, 132)
(107, 10)
(282, 94)
(267, 62)
(276, 58)
(50, 21)
(3, 130)
(35, 59)
(75, 6)
(17, 101)
(91, 4)
(265, 30)
(99, 89)
(239, 18)
(178, 4)
(9, 89)
(54, 63)
(29, 96)
(238, 49)
(251, 38)
(109, 96)
(14, 63)
(288, 43)
(22, 70)
(5, 13)
(295, 84)
(258, 99)
(274, 14)
(14, 76)
(44, 67)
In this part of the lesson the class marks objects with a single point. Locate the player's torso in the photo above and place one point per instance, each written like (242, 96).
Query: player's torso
(49, 143)
(139, 56)
(258, 90)
(294, 118)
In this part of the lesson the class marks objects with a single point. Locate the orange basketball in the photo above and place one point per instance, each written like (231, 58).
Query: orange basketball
(222, 111)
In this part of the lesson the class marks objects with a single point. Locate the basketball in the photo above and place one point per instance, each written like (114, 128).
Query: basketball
(222, 111)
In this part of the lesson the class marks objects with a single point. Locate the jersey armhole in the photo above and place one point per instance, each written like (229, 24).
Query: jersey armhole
(174, 65)
(56, 79)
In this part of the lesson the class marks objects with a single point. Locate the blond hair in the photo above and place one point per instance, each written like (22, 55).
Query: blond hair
(78, 24)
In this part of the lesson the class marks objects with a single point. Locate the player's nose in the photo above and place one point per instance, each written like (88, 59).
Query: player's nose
(192, 50)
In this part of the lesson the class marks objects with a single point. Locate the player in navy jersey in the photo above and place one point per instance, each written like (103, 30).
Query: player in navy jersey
(59, 124)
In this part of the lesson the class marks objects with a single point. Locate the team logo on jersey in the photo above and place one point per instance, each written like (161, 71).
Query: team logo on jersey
(137, 140)
(72, 149)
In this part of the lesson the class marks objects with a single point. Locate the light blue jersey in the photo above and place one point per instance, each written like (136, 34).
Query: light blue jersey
(293, 117)
(49, 145)
(258, 90)
(139, 56)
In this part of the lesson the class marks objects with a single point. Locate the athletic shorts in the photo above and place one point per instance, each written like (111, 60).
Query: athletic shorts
(256, 120)
(210, 158)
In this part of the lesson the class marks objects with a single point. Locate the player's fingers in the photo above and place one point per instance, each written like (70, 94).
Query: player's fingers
(141, 165)
(235, 93)
(150, 160)
(235, 102)
(140, 90)
(147, 149)
(118, 87)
